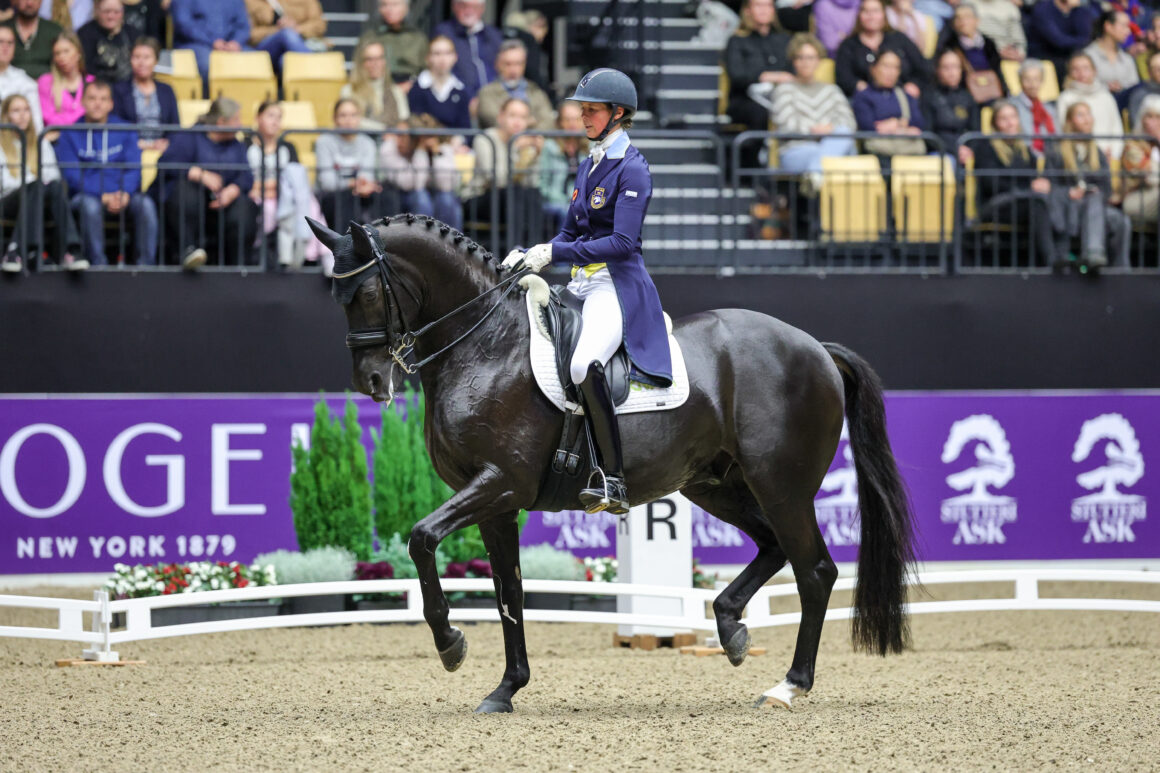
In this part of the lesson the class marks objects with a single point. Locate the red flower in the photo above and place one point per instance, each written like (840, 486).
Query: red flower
(588, 575)
(243, 582)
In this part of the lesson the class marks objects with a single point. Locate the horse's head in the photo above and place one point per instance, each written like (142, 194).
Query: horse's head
(362, 284)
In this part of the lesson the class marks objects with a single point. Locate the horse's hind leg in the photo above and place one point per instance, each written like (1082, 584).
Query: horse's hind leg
(501, 536)
(734, 504)
(796, 527)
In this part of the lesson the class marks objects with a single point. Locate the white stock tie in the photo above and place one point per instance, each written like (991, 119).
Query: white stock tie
(597, 155)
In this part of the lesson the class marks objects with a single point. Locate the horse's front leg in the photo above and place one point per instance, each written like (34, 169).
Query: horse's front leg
(482, 498)
(501, 536)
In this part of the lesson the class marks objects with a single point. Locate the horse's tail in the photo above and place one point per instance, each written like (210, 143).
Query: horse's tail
(880, 624)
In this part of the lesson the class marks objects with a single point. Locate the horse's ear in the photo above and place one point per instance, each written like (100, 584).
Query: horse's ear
(328, 237)
(362, 241)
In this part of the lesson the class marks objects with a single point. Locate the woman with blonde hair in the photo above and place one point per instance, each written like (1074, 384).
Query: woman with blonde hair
(1083, 86)
(1141, 164)
(422, 167)
(559, 163)
(383, 102)
(1083, 194)
(62, 86)
(43, 192)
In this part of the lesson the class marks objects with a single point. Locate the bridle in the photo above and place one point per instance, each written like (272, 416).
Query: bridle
(403, 345)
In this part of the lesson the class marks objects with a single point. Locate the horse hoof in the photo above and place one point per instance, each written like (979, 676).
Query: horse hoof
(738, 646)
(456, 652)
(779, 697)
(495, 706)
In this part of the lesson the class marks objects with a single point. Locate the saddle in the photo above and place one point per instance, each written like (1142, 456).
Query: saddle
(564, 322)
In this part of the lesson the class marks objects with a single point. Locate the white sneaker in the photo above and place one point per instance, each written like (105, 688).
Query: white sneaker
(194, 259)
(73, 263)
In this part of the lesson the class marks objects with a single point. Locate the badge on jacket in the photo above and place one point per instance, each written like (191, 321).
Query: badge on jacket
(598, 198)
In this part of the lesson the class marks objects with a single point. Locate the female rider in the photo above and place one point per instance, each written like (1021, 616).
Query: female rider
(601, 240)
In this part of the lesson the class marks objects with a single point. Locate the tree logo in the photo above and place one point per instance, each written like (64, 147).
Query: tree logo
(838, 513)
(1109, 512)
(979, 513)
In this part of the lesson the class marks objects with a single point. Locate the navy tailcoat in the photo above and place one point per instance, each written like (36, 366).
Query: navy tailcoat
(604, 226)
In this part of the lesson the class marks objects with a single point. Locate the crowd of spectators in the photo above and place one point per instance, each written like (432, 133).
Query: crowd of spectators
(909, 69)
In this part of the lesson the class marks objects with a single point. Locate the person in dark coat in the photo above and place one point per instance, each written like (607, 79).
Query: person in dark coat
(476, 44)
(437, 92)
(948, 108)
(756, 54)
(144, 99)
(1058, 28)
(978, 52)
(1009, 189)
(106, 42)
(872, 36)
(601, 240)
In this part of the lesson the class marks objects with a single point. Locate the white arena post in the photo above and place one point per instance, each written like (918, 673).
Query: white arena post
(654, 546)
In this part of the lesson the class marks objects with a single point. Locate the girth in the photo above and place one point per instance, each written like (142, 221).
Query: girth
(564, 325)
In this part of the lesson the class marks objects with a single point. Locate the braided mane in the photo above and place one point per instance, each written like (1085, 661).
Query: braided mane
(463, 245)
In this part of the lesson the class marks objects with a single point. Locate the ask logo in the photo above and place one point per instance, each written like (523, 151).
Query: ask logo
(1108, 512)
(838, 512)
(980, 513)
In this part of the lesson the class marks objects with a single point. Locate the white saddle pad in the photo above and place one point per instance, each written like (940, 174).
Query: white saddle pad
(641, 397)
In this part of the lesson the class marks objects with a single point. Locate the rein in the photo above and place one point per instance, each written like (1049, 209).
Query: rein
(405, 345)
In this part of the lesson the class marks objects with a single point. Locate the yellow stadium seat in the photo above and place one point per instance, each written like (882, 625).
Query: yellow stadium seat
(929, 39)
(301, 115)
(149, 160)
(970, 189)
(244, 76)
(189, 110)
(853, 199)
(825, 72)
(985, 116)
(723, 87)
(315, 78)
(185, 79)
(1048, 92)
(917, 185)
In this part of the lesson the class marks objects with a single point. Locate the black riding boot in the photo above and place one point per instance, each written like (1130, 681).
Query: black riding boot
(606, 489)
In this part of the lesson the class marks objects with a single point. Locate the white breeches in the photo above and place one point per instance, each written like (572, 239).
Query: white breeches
(603, 329)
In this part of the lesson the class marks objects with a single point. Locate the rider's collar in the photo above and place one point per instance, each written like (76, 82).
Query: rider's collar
(615, 145)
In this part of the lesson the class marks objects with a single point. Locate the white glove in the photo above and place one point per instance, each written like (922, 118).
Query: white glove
(513, 257)
(538, 257)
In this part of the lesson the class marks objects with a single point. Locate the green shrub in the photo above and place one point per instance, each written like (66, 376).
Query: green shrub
(329, 564)
(329, 490)
(544, 562)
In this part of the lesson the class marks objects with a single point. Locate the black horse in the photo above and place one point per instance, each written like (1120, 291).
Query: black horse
(751, 445)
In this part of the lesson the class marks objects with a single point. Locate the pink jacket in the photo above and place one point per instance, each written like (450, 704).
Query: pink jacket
(71, 109)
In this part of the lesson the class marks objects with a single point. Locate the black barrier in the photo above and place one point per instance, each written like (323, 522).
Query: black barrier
(14, 208)
(165, 225)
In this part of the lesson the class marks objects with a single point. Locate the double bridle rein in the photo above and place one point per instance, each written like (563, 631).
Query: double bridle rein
(404, 345)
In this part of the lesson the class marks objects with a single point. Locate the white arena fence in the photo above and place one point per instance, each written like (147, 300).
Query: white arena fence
(695, 611)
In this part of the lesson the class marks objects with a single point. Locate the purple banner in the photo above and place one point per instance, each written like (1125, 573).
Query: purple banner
(88, 482)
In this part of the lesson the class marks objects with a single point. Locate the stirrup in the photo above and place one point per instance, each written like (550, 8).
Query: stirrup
(610, 495)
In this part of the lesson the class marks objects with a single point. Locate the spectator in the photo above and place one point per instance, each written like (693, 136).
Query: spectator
(1035, 116)
(888, 109)
(493, 167)
(916, 25)
(60, 89)
(278, 26)
(103, 170)
(144, 99)
(531, 28)
(383, 102)
(1082, 86)
(835, 20)
(980, 55)
(41, 194)
(1002, 22)
(871, 38)
(34, 37)
(71, 15)
(510, 65)
(404, 44)
(145, 18)
(1143, 90)
(282, 189)
(940, 11)
(348, 171)
(1141, 164)
(948, 108)
(1010, 188)
(1083, 193)
(437, 92)
(805, 106)
(756, 54)
(1057, 29)
(559, 163)
(476, 44)
(1115, 68)
(13, 80)
(423, 168)
(106, 43)
(209, 25)
(206, 190)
